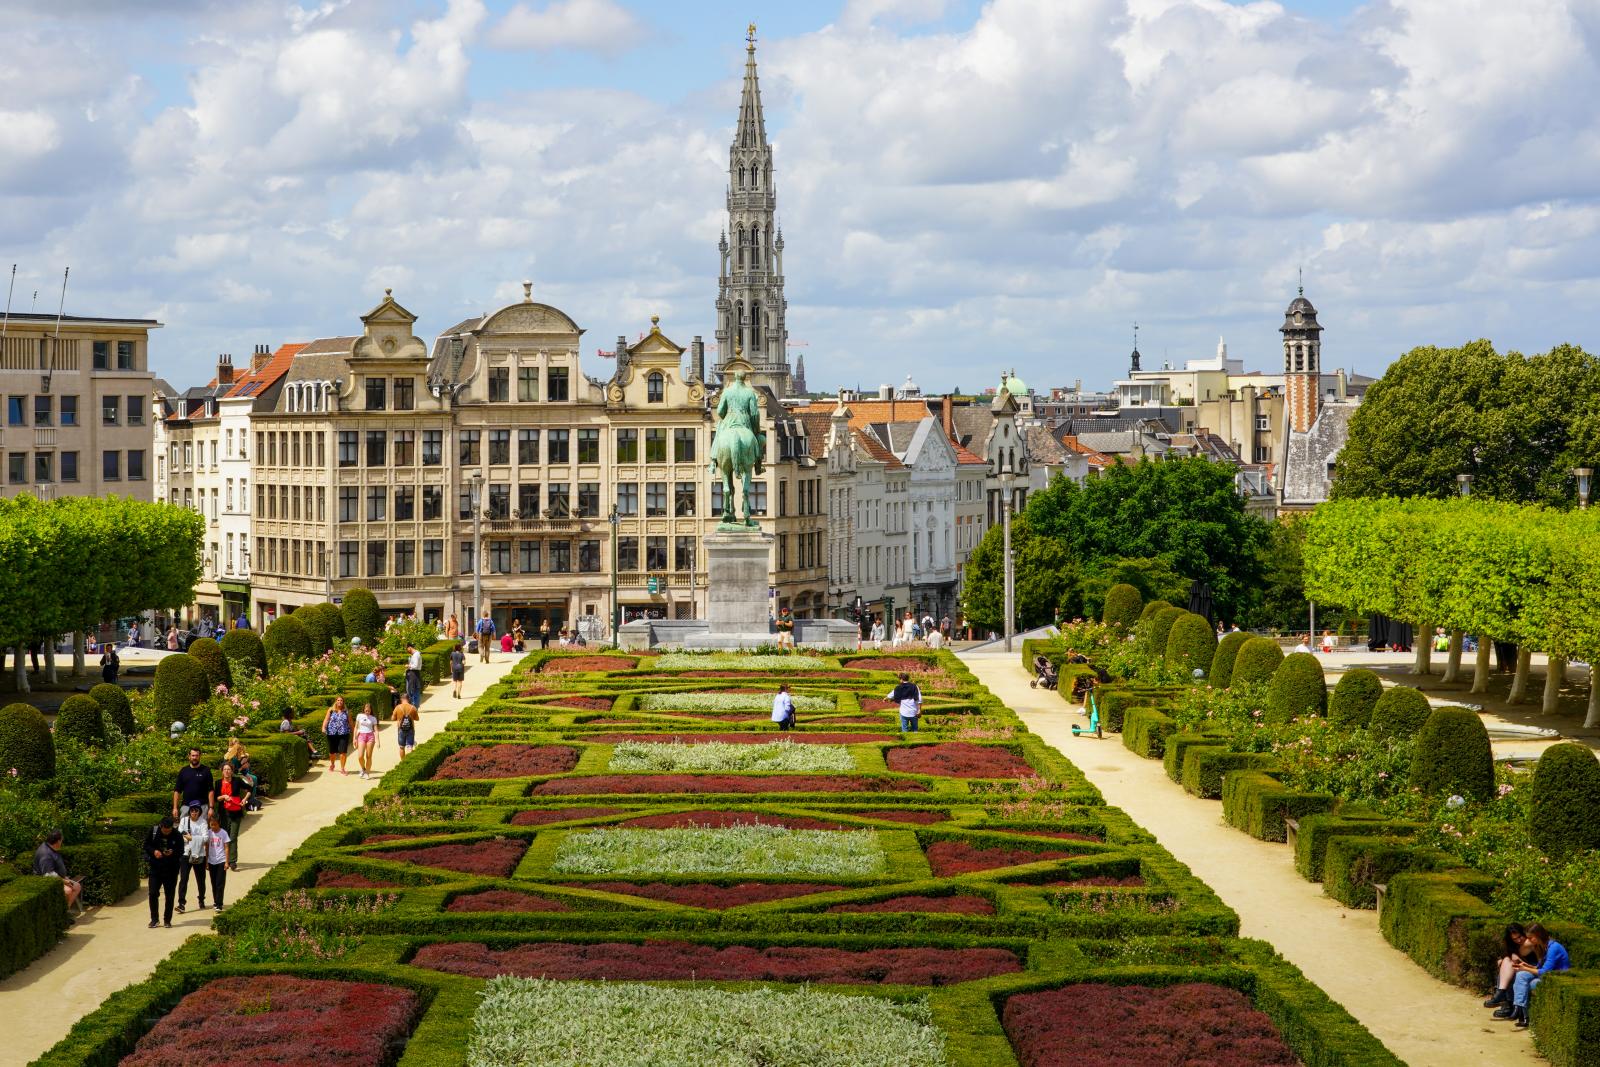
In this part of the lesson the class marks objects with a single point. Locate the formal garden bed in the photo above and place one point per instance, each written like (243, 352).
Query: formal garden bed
(928, 895)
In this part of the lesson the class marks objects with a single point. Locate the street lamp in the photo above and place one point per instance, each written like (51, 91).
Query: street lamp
(1583, 475)
(477, 548)
(616, 608)
(1007, 476)
(1464, 483)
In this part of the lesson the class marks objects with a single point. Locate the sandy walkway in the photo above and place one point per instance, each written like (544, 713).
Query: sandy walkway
(111, 946)
(1423, 1021)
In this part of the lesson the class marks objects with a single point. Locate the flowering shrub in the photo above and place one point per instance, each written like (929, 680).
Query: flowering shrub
(286, 942)
(255, 1019)
(403, 632)
(957, 759)
(507, 761)
(495, 858)
(752, 738)
(504, 900)
(301, 901)
(710, 820)
(950, 905)
(539, 818)
(575, 664)
(656, 961)
(1115, 903)
(564, 1023)
(709, 895)
(910, 664)
(957, 857)
(1096, 1025)
(1097, 881)
(733, 661)
(393, 808)
(758, 701)
(721, 756)
(756, 849)
(724, 783)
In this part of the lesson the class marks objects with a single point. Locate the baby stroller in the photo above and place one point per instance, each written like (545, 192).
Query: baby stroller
(1044, 674)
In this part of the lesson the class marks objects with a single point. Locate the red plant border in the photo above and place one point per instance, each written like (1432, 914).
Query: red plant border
(506, 761)
(608, 784)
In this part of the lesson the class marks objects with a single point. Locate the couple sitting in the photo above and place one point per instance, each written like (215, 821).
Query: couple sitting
(1530, 954)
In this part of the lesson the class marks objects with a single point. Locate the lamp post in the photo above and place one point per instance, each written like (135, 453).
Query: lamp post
(327, 570)
(616, 608)
(1006, 478)
(477, 548)
(1583, 474)
(1464, 483)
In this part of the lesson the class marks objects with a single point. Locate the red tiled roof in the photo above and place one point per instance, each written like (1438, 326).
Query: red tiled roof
(1096, 459)
(874, 448)
(275, 368)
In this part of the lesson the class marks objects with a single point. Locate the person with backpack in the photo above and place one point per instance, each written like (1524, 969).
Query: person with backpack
(909, 697)
(485, 630)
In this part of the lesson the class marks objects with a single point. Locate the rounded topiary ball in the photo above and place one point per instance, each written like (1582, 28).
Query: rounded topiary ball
(323, 623)
(1191, 644)
(1400, 712)
(246, 655)
(1221, 672)
(1257, 660)
(81, 719)
(1123, 605)
(1564, 814)
(210, 655)
(25, 744)
(181, 683)
(1453, 755)
(113, 701)
(1297, 689)
(1354, 697)
(286, 640)
(362, 617)
(1159, 628)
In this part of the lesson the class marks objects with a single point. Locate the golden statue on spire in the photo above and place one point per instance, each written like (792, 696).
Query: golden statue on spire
(751, 36)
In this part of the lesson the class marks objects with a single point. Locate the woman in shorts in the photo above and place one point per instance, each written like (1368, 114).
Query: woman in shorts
(336, 726)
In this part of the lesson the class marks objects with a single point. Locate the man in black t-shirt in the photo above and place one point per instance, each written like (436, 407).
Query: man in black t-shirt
(194, 786)
(163, 852)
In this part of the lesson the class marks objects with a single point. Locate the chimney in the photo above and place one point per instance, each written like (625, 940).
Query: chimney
(945, 417)
(622, 353)
(697, 359)
(885, 392)
(225, 369)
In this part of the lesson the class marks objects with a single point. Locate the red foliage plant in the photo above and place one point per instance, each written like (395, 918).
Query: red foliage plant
(1060, 835)
(720, 819)
(507, 761)
(656, 961)
(958, 759)
(723, 783)
(571, 664)
(350, 880)
(957, 857)
(1097, 1025)
(496, 858)
(579, 703)
(373, 839)
(951, 905)
(878, 704)
(1131, 881)
(281, 1019)
(897, 664)
(539, 818)
(504, 900)
(809, 676)
(708, 894)
(765, 737)
(919, 818)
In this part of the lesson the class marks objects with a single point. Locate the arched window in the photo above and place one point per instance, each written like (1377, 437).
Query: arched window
(758, 261)
(741, 242)
(741, 177)
(655, 388)
(755, 325)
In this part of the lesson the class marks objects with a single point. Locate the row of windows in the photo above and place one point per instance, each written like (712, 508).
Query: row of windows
(808, 494)
(289, 502)
(808, 550)
(102, 355)
(375, 559)
(46, 410)
(43, 467)
(400, 448)
(557, 383)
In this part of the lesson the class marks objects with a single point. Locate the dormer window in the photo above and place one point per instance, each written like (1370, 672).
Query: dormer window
(655, 388)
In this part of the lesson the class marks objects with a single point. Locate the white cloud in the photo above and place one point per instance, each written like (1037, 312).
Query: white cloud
(602, 26)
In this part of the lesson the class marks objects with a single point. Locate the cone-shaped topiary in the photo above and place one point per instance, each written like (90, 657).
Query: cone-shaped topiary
(209, 653)
(1354, 697)
(1453, 755)
(1564, 814)
(335, 621)
(1159, 628)
(1297, 689)
(1221, 672)
(25, 744)
(1148, 612)
(1123, 605)
(1400, 712)
(113, 702)
(246, 655)
(180, 685)
(81, 719)
(285, 641)
(362, 617)
(1256, 662)
(320, 621)
(1191, 644)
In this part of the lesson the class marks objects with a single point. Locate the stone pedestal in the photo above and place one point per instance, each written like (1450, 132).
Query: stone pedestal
(737, 567)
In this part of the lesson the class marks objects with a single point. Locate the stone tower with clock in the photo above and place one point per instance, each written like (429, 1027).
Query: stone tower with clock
(1302, 363)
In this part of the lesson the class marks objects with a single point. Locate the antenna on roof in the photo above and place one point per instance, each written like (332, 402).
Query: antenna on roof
(6, 322)
(55, 340)
(1301, 272)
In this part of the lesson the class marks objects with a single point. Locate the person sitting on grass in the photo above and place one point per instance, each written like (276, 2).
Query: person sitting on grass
(1553, 957)
(48, 861)
(1517, 948)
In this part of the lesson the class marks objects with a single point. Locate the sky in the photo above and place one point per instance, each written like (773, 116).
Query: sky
(965, 188)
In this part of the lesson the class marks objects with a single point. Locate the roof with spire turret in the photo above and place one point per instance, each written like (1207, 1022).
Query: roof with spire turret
(750, 117)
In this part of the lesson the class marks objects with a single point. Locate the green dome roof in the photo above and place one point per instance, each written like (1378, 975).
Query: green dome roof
(1015, 386)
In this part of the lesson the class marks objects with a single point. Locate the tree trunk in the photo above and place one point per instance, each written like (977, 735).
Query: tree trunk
(1519, 681)
(1422, 646)
(1452, 667)
(1554, 675)
(50, 661)
(1592, 718)
(78, 646)
(22, 670)
(1481, 666)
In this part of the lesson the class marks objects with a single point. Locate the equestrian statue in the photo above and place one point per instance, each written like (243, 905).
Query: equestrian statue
(740, 444)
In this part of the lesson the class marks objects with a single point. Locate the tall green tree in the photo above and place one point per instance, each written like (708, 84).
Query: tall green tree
(1045, 576)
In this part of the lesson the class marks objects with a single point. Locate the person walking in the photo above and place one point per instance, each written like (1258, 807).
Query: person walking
(544, 633)
(783, 708)
(909, 697)
(366, 739)
(49, 863)
(163, 852)
(518, 635)
(233, 793)
(485, 632)
(194, 786)
(458, 669)
(172, 639)
(452, 629)
(336, 727)
(413, 674)
(405, 733)
(195, 829)
(218, 841)
(110, 664)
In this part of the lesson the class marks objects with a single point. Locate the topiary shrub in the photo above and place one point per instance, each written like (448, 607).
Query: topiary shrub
(1256, 662)
(1564, 814)
(1399, 712)
(1453, 755)
(81, 719)
(113, 702)
(1191, 644)
(286, 640)
(320, 621)
(25, 744)
(1353, 698)
(1221, 672)
(1148, 612)
(181, 683)
(1159, 628)
(1297, 689)
(245, 653)
(362, 618)
(211, 657)
(1123, 606)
